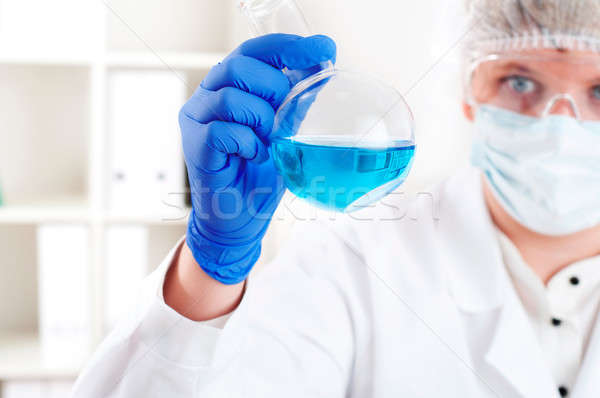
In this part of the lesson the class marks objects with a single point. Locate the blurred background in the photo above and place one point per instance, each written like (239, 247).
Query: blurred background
(92, 178)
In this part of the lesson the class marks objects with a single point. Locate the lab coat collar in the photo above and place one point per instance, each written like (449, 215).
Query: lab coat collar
(473, 261)
(482, 290)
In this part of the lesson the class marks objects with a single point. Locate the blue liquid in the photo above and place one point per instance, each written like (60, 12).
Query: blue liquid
(332, 173)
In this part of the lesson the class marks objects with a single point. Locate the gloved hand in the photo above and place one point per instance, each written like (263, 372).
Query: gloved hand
(226, 128)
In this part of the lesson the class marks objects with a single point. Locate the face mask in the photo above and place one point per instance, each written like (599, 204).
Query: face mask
(544, 171)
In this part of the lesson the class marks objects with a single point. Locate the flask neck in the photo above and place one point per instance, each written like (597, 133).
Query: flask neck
(280, 16)
(275, 16)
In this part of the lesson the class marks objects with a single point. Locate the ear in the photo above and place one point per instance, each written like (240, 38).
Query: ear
(468, 111)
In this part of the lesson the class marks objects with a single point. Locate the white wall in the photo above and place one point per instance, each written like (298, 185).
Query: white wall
(187, 24)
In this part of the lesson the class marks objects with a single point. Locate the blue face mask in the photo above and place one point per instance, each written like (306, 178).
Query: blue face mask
(544, 171)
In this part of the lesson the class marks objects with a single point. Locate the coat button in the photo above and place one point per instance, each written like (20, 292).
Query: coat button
(574, 280)
(556, 321)
(563, 391)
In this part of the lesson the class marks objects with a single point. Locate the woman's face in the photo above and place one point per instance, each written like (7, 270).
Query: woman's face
(536, 82)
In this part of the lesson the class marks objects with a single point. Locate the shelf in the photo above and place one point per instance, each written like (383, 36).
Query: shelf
(77, 211)
(163, 60)
(147, 219)
(58, 210)
(11, 58)
(20, 358)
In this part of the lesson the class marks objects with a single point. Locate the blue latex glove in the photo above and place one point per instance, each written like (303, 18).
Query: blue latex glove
(226, 128)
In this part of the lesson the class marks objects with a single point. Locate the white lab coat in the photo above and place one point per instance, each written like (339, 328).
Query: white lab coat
(420, 306)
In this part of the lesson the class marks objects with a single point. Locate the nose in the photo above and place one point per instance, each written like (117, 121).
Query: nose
(562, 107)
(562, 104)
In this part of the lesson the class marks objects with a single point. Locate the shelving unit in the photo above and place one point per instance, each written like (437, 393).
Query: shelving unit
(54, 153)
(69, 209)
(27, 58)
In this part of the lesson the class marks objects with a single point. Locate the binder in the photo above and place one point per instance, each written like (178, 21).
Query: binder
(64, 299)
(126, 266)
(145, 155)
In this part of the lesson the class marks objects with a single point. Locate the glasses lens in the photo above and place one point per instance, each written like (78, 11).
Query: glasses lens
(562, 84)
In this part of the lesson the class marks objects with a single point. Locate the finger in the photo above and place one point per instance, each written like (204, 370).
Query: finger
(250, 75)
(297, 75)
(289, 51)
(209, 146)
(230, 104)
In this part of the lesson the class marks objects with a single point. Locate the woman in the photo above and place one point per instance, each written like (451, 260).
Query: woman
(493, 291)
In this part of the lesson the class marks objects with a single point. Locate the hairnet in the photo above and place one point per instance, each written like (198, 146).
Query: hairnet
(509, 25)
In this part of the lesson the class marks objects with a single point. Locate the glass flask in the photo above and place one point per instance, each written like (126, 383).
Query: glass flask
(341, 140)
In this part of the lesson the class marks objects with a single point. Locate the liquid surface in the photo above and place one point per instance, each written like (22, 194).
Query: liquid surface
(333, 173)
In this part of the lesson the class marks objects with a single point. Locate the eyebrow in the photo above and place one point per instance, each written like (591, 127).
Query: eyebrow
(594, 82)
(514, 65)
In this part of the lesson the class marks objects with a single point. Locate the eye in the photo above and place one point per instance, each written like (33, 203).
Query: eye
(596, 92)
(523, 85)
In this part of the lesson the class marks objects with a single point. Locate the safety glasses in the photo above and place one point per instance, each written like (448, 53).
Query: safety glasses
(538, 84)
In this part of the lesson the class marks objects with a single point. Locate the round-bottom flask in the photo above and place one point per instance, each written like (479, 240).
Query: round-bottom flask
(341, 140)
